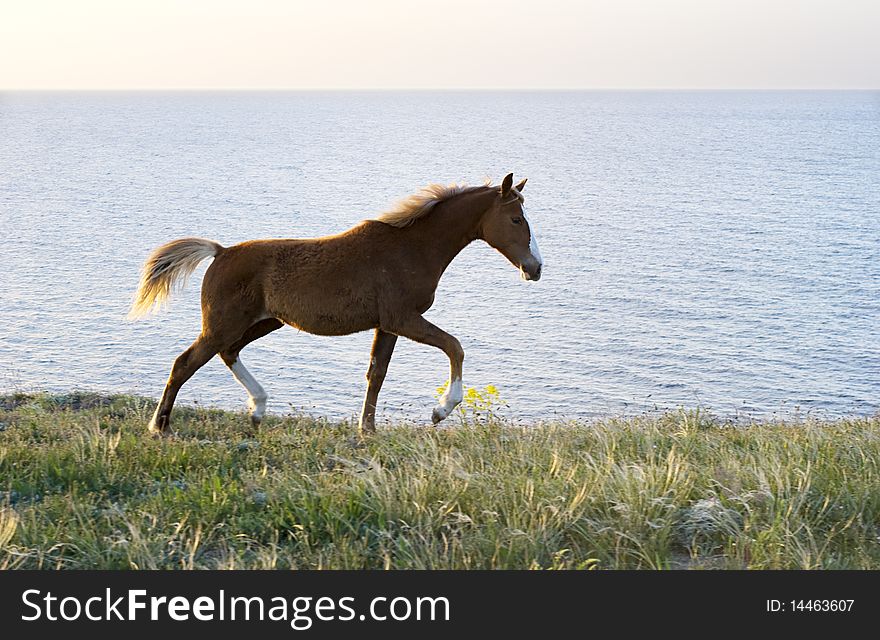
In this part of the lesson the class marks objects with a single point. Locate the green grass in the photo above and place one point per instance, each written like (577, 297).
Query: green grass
(82, 486)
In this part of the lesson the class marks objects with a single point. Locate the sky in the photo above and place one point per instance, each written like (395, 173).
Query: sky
(444, 44)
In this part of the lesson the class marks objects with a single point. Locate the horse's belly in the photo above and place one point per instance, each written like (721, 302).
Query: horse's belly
(329, 322)
(328, 327)
(322, 305)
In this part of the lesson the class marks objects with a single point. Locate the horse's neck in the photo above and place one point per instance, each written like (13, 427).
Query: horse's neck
(445, 232)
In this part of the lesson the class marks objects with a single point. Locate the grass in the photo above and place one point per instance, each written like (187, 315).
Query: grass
(82, 486)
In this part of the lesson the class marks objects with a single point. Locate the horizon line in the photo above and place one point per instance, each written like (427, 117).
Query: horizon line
(418, 89)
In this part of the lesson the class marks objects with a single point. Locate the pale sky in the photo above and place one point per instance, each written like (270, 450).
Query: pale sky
(411, 44)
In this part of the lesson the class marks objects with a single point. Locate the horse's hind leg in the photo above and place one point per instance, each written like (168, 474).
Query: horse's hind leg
(187, 363)
(380, 356)
(257, 396)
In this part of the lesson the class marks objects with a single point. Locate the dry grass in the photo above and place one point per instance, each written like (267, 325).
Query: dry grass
(82, 486)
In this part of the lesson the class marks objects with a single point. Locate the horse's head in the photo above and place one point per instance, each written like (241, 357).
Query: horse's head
(505, 227)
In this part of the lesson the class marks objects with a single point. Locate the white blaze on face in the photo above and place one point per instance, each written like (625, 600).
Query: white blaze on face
(256, 394)
(533, 241)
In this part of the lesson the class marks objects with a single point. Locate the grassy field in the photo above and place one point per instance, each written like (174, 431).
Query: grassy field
(82, 486)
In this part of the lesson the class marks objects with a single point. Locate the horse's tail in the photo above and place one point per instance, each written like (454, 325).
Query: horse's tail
(167, 269)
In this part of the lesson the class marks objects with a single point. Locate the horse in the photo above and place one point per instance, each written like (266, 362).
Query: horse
(381, 274)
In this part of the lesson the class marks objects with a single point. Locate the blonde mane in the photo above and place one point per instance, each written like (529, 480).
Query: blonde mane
(422, 203)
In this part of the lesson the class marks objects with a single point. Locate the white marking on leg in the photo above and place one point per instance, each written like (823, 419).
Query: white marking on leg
(151, 427)
(449, 400)
(533, 240)
(256, 394)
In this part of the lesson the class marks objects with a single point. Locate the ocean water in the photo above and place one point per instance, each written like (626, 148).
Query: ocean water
(717, 249)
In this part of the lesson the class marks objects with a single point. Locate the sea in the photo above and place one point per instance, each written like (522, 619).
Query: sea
(712, 250)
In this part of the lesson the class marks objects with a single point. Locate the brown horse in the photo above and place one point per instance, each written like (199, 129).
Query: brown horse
(381, 274)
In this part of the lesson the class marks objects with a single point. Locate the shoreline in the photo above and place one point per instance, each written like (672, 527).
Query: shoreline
(83, 398)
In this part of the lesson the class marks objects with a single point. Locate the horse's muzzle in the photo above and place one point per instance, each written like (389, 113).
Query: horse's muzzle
(533, 274)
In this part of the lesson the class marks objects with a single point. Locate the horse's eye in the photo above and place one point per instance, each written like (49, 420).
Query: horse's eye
(516, 220)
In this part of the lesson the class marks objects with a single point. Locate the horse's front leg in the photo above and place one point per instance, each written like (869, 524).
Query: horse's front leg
(380, 356)
(420, 330)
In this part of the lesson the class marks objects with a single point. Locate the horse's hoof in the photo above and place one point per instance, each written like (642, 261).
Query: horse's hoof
(160, 426)
(366, 425)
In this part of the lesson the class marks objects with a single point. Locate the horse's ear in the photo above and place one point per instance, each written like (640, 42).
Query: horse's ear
(520, 186)
(506, 184)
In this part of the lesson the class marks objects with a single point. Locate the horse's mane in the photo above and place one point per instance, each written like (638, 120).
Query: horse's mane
(422, 203)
